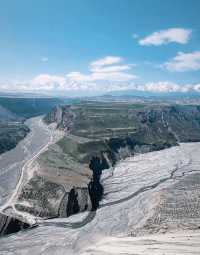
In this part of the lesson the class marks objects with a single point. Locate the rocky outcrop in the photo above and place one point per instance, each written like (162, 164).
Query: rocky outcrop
(77, 200)
(97, 165)
(57, 188)
(62, 116)
(9, 225)
(181, 121)
(48, 199)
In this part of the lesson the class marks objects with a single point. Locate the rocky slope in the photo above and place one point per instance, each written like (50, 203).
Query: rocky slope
(9, 225)
(12, 129)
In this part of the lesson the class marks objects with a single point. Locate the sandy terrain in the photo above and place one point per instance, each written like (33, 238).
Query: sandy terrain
(181, 243)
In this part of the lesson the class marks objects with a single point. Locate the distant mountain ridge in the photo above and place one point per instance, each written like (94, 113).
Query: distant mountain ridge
(29, 107)
(148, 94)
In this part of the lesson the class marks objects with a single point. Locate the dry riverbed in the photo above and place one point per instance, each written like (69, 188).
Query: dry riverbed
(15, 164)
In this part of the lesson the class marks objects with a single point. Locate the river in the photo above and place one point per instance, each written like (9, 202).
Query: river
(11, 162)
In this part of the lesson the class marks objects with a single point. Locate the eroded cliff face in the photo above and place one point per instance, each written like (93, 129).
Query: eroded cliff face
(9, 225)
(54, 190)
(151, 123)
(62, 116)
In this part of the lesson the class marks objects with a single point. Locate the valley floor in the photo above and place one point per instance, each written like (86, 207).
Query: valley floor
(151, 205)
(15, 162)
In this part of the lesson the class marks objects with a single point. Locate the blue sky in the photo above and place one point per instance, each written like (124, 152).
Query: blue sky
(55, 45)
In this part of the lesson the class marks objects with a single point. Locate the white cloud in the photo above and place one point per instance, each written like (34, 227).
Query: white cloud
(109, 60)
(78, 77)
(166, 87)
(104, 75)
(48, 82)
(184, 62)
(45, 59)
(178, 35)
(101, 76)
(113, 76)
(107, 74)
(52, 84)
(163, 86)
(108, 69)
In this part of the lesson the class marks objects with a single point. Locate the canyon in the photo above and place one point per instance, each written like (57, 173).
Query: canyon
(110, 171)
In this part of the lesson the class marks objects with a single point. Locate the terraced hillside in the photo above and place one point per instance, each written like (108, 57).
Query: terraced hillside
(147, 123)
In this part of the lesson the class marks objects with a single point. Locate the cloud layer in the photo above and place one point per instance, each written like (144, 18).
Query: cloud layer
(167, 87)
(105, 74)
(111, 73)
(52, 84)
(110, 69)
(177, 35)
(184, 62)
